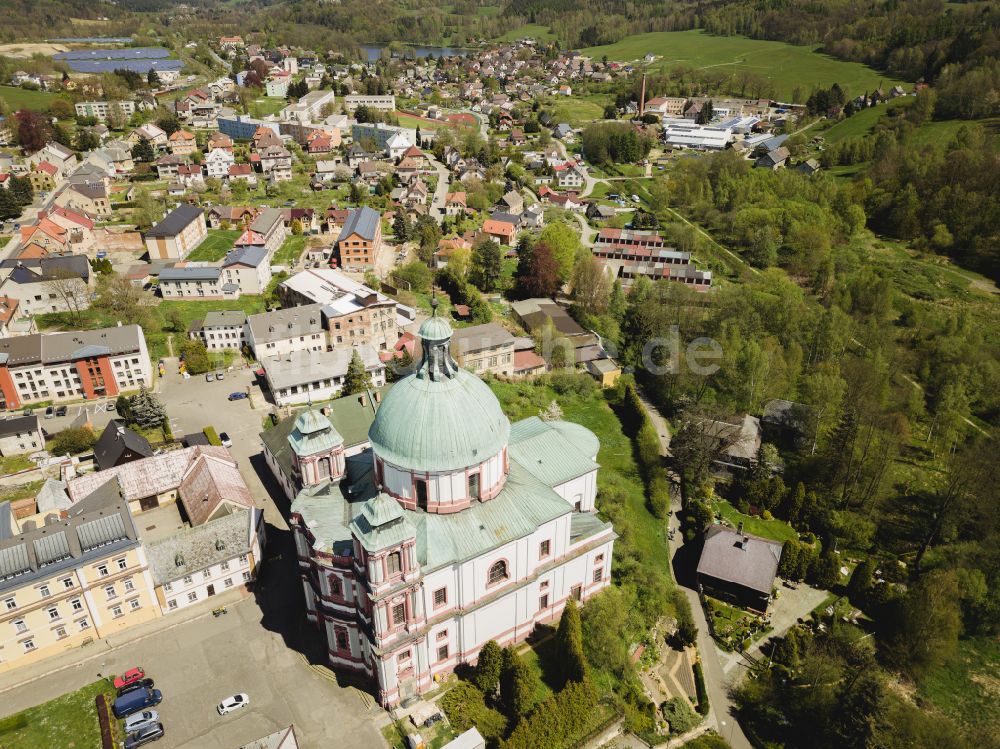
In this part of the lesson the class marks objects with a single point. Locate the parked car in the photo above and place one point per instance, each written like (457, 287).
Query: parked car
(61, 411)
(112, 406)
(141, 684)
(50, 412)
(209, 376)
(237, 396)
(139, 721)
(225, 439)
(219, 375)
(150, 733)
(130, 676)
(135, 701)
(230, 704)
(27, 412)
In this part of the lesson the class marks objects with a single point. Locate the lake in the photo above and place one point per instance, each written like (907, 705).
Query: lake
(374, 51)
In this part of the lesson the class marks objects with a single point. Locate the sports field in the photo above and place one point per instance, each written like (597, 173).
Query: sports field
(787, 66)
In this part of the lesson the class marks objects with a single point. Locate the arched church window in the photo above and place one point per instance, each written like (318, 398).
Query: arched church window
(498, 573)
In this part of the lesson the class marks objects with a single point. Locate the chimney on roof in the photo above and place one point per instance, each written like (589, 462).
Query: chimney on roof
(363, 400)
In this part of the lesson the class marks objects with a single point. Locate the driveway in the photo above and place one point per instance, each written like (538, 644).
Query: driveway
(441, 191)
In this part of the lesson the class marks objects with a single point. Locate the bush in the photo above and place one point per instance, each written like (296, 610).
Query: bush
(699, 685)
(72, 441)
(213, 436)
(466, 708)
(687, 630)
(658, 496)
(679, 715)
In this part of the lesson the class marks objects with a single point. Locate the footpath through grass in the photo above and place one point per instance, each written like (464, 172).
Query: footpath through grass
(67, 722)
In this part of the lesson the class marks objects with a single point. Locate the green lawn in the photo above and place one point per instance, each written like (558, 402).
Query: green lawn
(967, 687)
(290, 251)
(266, 105)
(13, 463)
(68, 722)
(787, 66)
(216, 245)
(777, 530)
(20, 98)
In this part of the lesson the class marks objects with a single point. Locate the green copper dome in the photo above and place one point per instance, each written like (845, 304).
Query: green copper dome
(441, 417)
(313, 433)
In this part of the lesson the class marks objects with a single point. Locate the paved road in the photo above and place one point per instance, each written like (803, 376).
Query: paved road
(441, 191)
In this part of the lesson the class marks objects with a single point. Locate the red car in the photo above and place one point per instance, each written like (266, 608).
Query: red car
(129, 677)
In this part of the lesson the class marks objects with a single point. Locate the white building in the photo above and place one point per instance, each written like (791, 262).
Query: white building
(217, 163)
(102, 110)
(688, 135)
(381, 103)
(281, 332)
(453, 529)
(305, 376)
(309, 108)
(220, 330)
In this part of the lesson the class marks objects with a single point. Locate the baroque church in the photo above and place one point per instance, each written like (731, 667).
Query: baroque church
(442, 527)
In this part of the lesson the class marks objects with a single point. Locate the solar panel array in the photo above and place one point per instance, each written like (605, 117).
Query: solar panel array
(139, 59)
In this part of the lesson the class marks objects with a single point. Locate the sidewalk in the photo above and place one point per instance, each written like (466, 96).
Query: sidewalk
(100, 649)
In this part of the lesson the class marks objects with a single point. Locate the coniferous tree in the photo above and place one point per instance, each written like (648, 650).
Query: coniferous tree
(358, 379)
(569, 644)
(147, 411)
(488, 667)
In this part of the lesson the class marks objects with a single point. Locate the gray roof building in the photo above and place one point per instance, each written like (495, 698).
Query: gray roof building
(224, 318)
(737, 558)
(176, 221)
(280, 324)
(51, 348)
(200, 547)
(118, 444)
(191, 273)
(363, 222)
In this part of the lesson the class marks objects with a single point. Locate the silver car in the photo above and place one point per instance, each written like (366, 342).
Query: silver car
(138, 721)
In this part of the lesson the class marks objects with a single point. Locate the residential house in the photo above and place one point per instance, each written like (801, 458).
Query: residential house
(196, 281)
(540, 315)
(19, 435)
(455, 204)
(738, 568)
(221, 330)
(484, 348)
(773, 160)
(503, 231)
(90, 198)
(360, 240)
(218, 141)
(177, 234)
(103, 111)
(156, 137)
(276, 163)
(119, 445)
(58, 283)
(217, 162)
(512, 202)
(224, 216)
(242, 172)
(267, 231)
(249, 268)
(279, 333)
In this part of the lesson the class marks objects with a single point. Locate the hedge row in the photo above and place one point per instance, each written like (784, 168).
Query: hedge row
(213, 436)
(699, 686)
(648, 452)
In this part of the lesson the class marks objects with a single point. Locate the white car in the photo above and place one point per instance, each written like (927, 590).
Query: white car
(138, 721)
(225, 439)
(230, 704)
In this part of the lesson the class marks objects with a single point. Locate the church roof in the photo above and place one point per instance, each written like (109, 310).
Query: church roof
(553, 451)
(313, 433)
(441, 417)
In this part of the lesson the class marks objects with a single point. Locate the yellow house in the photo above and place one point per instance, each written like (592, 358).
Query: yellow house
(70, 575)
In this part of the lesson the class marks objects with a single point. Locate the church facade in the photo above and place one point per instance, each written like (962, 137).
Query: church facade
(450, 528)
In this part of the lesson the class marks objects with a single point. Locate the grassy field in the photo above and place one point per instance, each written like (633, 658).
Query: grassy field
(967, 688)
(19, 98)
(216, 245)
(777, 530)
(944, 131)
(68, 722)
(576, 110)
(788, 67)
(863, 122)
(266, 105)
(290, 250)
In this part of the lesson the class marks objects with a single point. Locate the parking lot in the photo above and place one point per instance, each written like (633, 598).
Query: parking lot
(258, 647)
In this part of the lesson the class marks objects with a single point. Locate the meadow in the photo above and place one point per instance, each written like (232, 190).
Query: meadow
(789, 67)
(22, 98)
